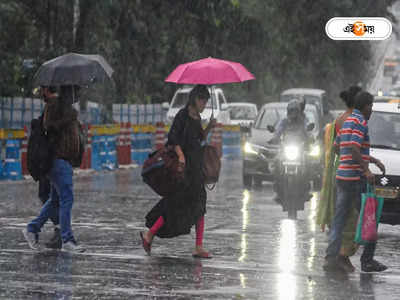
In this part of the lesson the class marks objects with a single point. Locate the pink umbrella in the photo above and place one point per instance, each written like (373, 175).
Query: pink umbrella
(209, 71)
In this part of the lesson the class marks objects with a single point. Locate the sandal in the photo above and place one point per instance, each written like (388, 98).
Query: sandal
(203, 254)
(146, 245)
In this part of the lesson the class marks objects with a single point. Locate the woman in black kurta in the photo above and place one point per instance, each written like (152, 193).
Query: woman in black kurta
(175, 215)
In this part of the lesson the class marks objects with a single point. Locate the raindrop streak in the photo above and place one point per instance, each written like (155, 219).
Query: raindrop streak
(245, 221)
(286, 281)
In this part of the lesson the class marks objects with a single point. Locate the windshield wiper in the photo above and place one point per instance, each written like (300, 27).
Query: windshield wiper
(384, 147)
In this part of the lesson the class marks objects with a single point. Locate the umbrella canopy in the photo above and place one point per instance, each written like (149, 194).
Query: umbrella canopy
(209, 71)
(73, 69)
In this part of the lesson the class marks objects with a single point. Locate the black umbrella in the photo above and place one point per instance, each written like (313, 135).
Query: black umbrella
(73, 69)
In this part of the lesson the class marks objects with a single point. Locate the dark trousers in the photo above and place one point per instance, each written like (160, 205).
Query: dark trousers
(347, 192)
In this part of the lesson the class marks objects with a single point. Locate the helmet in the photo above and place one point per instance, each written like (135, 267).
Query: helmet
(293, 109)
(302, 102)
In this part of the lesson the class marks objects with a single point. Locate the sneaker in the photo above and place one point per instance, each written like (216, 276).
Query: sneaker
(345, 263)
(55, 242)
(372, 266)
(72, 246)
(32, 239)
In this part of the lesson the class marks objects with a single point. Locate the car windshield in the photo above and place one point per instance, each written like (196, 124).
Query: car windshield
(271, 116)
(182, 98)
(384, 130)
(242, 112)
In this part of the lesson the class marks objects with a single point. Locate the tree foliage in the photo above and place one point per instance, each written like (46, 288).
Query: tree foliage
(282, 42)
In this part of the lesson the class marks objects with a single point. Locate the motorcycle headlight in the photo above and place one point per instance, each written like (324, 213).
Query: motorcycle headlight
(315, 151)
(248, 148)
(291, 152)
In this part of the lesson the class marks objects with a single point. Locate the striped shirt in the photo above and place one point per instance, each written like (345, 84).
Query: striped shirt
(353, 132)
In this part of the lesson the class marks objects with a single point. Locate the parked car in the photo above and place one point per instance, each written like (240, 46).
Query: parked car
(241, 113)
(259, 156)
(384, 130)
(181, 97)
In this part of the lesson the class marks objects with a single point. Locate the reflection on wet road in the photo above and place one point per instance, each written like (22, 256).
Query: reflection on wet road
(258, 253)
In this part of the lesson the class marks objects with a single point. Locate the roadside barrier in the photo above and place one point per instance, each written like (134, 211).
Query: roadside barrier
(96, 161)
(110, 160)
(142, 143)
(109, 146)
(1, 162)
(216, 138)
(231, 141)
(12, 166)
(124, 144)
(24, 152)
(87, 155)
(104, 154)
(160, 136)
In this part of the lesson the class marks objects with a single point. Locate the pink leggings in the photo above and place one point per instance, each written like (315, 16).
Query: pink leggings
(199, 229)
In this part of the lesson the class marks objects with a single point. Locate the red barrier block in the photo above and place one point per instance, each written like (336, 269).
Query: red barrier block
(87, 155)
(160, 135)
(124, 144)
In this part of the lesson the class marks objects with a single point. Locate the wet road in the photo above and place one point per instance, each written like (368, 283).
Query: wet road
(258, 253)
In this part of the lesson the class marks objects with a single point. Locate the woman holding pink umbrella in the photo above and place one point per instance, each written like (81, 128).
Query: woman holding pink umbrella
(175, 215)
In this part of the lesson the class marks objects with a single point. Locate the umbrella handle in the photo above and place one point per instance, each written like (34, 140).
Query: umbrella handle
(212, 102)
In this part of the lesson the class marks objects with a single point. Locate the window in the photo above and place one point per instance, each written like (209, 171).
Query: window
(242, 112)
(270, 116)
(384, 129)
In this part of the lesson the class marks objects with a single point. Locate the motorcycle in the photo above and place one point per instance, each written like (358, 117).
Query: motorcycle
(291, 178)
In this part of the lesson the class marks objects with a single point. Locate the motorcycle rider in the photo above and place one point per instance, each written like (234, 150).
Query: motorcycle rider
(295, 121)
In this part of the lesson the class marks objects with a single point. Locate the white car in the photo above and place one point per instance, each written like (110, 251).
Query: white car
(384, 131)
(181, 98)
(241, 113)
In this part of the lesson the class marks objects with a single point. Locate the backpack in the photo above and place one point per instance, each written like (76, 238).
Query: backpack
(40, 153)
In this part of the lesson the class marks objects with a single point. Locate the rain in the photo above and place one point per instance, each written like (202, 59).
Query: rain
(132, 65)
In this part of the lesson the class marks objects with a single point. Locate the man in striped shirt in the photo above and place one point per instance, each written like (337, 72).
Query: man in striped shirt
(352, 145)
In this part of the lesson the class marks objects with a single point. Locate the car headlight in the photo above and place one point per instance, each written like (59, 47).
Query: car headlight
(315, 151)
(291, 152)
(249, 148)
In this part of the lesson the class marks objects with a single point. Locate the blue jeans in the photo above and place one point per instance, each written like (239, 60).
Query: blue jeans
(60, 202)
(45, 194)
(346, 193)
